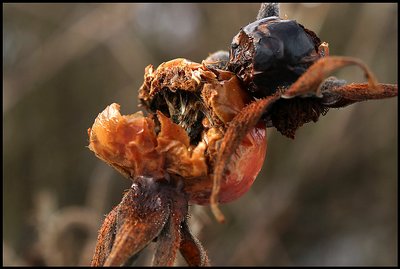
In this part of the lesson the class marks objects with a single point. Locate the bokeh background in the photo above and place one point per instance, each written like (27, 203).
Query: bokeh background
(329, 197)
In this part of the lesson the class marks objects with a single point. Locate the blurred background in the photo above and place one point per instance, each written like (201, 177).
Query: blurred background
(329, 197)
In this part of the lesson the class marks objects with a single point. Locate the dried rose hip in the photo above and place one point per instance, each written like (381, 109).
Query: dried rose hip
(191, 106)
(204, 140)
(271, 53)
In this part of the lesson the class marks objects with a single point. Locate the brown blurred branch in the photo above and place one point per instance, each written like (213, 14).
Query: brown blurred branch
(79, 38)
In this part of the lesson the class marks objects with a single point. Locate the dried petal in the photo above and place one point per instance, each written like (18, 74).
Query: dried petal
(177, 74)
(127, 143)
(173, 142)
(225, 99)
(309, 83)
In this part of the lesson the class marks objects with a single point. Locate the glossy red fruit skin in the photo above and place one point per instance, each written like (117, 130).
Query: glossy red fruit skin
(241, 173)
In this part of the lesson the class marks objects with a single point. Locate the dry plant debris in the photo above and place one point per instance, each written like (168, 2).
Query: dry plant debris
(204, 139)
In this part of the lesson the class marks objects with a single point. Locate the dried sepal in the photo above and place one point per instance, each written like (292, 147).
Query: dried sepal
(141, 216)
(168, 242)
(238, 128)
(308, 84)
(289, 115)
(105, 239)
(149, 211)
(356, 92)
(191, 248)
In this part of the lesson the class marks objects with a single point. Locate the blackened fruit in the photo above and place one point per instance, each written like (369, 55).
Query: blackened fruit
(272, 53)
